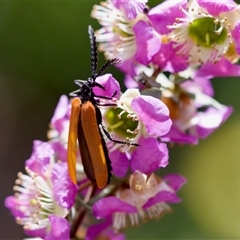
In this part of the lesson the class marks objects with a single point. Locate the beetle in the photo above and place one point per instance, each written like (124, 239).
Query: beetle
(85, 124)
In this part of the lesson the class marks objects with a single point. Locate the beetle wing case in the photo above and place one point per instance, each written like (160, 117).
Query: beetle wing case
(94, 140)
(72, 138)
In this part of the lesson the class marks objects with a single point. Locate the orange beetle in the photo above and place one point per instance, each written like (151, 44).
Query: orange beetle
(85, 122)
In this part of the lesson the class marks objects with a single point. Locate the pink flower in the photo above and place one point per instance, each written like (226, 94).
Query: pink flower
(44, 196)
(146, 197)
(137, 119)
(125, 33)
(202, 31)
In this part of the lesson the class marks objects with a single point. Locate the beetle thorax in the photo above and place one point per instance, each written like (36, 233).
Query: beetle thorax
(87, 93)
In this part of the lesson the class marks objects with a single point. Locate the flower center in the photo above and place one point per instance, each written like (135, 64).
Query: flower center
(121, 122)
(121, 32)
(207, 36)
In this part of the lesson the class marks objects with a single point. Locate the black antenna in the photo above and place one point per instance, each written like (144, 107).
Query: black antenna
(94, 53)
(106, 66)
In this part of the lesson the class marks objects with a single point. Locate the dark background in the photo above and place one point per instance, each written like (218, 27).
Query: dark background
(44, 46)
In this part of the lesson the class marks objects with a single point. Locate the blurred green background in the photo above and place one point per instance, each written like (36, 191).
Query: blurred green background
(44, 46)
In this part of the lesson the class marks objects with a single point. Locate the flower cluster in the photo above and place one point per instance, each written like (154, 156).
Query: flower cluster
(169, 54)
(44, 196)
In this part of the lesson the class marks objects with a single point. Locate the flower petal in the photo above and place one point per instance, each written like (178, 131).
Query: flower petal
(164, 15)
(211, 119)
(150, 156)
(11, 203)
(40, 158)
(39, 232)
(63, 189)
(103, 230)
(60, 229)
(131, 8)
(147, 43)
(217, 7)
(120, 163)
(175, 135)
(153, 113)
(168, 59)
(175, 181)
(94, 231)
(60, 112)
(223, 68)
(107, 206)
(127, 66)
(60, 150)
(163, 196)
(200, 83)
(110, 84)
